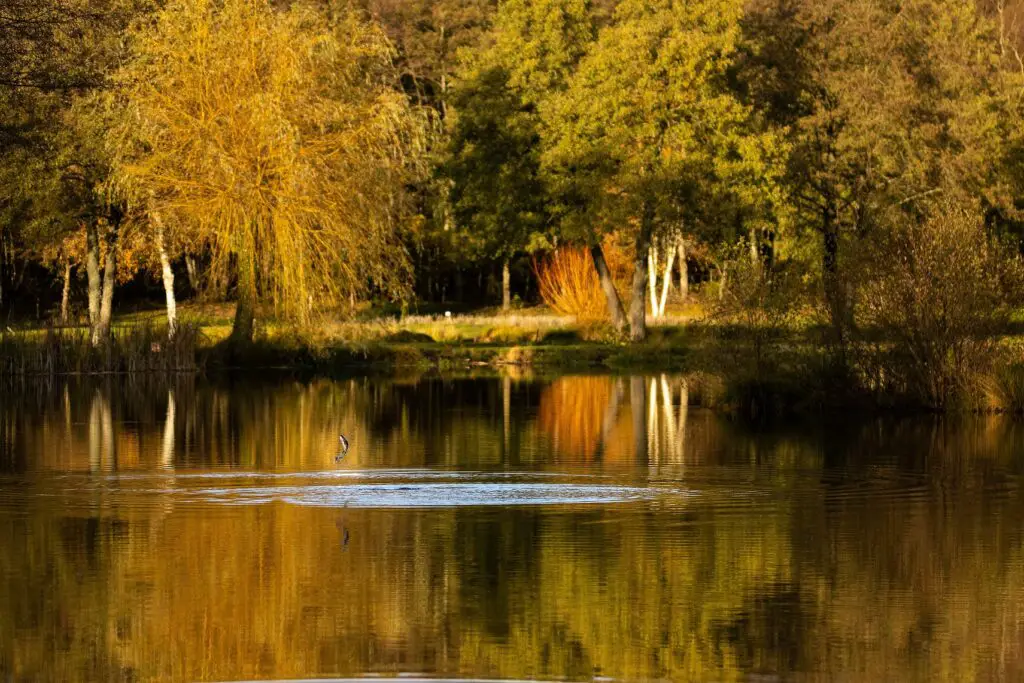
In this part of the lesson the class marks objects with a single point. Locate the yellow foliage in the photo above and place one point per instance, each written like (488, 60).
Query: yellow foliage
(568, 281)
(277, 137)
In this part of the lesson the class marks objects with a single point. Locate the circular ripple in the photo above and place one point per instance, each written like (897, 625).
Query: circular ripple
(420, 495)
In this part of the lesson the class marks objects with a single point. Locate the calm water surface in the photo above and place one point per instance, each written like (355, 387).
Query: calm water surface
(504, 528)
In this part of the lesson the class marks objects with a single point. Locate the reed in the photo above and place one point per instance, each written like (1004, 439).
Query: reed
(134, 349)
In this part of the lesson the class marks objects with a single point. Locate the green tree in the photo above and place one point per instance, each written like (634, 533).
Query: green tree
(498, 195)
(887, 104)
(649, 112)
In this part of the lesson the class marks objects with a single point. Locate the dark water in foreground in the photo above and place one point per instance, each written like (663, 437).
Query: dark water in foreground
(498, 528)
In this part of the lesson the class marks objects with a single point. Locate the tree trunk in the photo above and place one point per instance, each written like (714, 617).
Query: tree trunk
(245, 311)
(666, 281)
(506, 286)
(752, 245)
(637, 307)
(102, 328)
(65, 292)
(193, 274)
(168, 276)
(684, 271)
(3, 265)
(652, 277)
(834, 297)
(611, 295)
(722, 282)
(92, 269)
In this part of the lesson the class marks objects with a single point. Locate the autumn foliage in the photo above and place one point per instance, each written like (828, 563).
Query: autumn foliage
(568, 281)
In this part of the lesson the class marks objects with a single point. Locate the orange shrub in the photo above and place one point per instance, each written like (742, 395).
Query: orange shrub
(568, 281)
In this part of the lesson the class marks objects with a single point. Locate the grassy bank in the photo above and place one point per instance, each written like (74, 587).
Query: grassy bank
(745, 371)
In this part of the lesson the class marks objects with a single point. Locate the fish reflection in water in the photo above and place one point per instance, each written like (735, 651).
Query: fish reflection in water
(344, 533)
(340, 524)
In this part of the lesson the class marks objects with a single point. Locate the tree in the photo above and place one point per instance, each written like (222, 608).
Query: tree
(279, 138)
(887, 104)
(498, 195)
(57, 54)
(428, 35)
(649, 112)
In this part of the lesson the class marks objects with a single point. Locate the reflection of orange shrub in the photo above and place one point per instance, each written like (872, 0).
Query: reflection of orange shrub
(571, 411)
(568, 282)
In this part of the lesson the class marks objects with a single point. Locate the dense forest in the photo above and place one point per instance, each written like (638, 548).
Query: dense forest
(855, 159)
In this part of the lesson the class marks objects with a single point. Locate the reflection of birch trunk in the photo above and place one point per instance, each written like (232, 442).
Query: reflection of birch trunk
(636, 400)
(684, 409)
(668, 413)
(94, 435)
(101, 434)
(109, 456)
(167, 450)
(653, 450)
(67, 413)
(506, 410)
(611, 413)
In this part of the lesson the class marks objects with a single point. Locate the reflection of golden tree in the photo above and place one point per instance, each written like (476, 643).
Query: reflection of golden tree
(851, 581)
(572, 413)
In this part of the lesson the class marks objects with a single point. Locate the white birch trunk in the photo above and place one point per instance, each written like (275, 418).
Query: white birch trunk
(168, 276)
(652, 277)
(65, 294)
(684, 270)
(506, 286)
(666, 281)
(92, 268)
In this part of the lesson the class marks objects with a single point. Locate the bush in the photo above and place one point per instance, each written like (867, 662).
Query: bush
(568, 282)
(941, 293)
(754, 312)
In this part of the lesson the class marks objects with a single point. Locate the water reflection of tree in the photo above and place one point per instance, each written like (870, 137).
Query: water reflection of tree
(863, 588)
(883, 551)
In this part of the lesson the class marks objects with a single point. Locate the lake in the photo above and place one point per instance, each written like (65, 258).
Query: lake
(515, 527)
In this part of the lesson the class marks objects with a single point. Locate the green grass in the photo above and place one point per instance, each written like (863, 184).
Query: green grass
(793, 373)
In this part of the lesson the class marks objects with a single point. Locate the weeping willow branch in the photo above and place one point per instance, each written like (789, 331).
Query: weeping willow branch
(278, 139)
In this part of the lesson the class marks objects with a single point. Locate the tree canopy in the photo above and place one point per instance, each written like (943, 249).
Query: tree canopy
(277, 137)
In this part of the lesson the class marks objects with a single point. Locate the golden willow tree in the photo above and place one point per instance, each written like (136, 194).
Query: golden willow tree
(276, 137)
